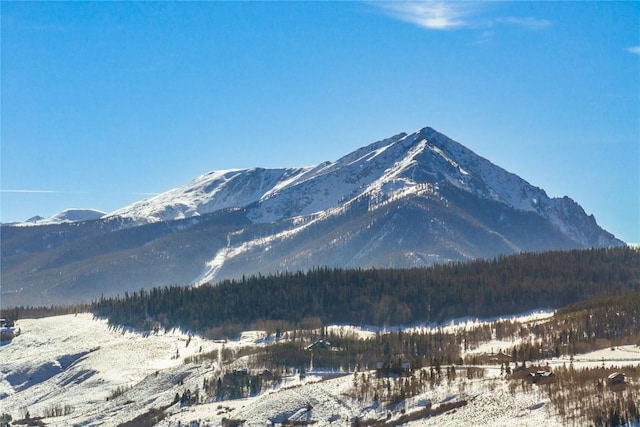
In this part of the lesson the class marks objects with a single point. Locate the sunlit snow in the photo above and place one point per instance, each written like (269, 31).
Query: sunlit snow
(79, 362)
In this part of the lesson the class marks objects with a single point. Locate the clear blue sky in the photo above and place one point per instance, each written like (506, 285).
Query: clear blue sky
(104, 103)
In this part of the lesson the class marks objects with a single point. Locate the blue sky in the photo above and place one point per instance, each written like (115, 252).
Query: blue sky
(104, 103)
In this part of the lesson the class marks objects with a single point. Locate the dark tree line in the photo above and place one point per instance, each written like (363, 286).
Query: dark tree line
(14, 313)
(481, 288)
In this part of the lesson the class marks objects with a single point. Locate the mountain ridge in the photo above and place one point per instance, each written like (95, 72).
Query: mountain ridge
(491, 182)
(405, 201)
(65, 216)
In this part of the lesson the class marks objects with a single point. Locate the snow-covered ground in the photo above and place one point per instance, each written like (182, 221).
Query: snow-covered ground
(451, 326)
(80, 361)
(608, 357)
(489, 402)
(75, 363)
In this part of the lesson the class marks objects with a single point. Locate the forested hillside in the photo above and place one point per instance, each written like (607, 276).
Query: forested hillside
(384, 297)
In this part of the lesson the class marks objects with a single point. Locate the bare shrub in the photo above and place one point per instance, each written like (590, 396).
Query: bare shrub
(119, 391)
(58, 411)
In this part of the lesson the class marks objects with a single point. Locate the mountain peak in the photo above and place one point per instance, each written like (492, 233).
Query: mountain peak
(406, 201)
(386, 169)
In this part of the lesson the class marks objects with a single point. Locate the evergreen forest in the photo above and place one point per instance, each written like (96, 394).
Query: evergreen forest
(382, 297)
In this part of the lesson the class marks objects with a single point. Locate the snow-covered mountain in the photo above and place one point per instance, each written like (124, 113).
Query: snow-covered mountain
(400, 166)
(66, 216)
(209, 193)
(405, 201)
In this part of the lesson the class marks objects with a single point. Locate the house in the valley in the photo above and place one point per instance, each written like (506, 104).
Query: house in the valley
(7, 333)
(540, 376)
(616, 378)
(400, 368)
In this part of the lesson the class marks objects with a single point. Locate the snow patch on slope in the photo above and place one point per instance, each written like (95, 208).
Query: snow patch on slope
(218, 190)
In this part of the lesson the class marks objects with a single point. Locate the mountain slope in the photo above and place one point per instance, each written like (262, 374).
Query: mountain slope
(405, 201)
(209, 193)
(66, 216)
(382, 170)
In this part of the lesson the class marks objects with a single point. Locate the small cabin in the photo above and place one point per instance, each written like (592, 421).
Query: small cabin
(616, 378)
(393, 369)
(320, 344)
(539, 376)
(7, 333)
(493, 358)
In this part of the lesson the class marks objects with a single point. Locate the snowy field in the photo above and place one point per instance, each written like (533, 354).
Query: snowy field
(78, 361)
(99, 376)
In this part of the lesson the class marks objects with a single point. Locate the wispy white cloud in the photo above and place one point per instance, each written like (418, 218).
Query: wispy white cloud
(634, 49)
(528, 23)
(451, 15)
(484, 37)
(432, 15)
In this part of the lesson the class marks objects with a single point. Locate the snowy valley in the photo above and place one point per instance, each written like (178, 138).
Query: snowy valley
(342, 347)
(76, 370)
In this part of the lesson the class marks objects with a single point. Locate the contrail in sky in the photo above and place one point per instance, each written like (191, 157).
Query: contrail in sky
(36, 191)
(67, 192)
